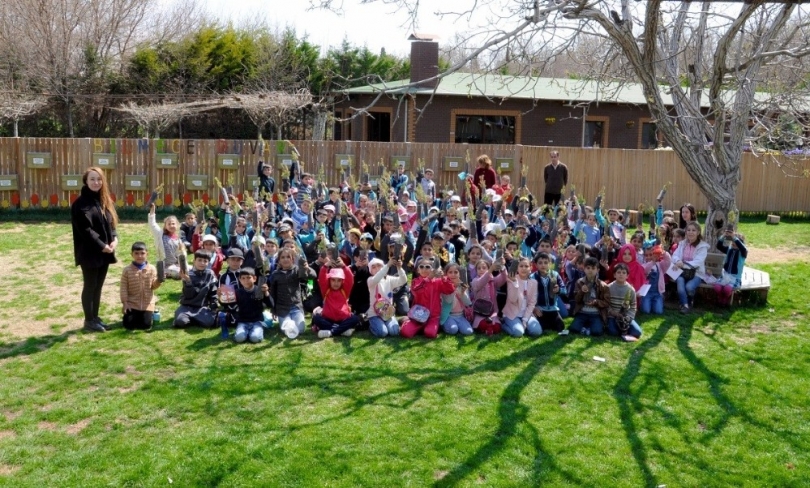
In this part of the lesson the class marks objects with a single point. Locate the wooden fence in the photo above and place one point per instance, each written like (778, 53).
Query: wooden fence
(36, 172)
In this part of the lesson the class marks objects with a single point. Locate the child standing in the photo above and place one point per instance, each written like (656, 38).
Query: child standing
(249, 315)
(199, 295)
(138, 282)
(622, 306)
(168, 245)
(335, 318)
(426, 290)
(521, 297)
(591, 301)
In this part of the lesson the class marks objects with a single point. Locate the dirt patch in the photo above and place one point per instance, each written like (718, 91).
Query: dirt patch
(51, 426)
(129, 389)
(10, 415)
(8, 470)
(760, 329)
(7, 434)
(79, 426)
(760, 255)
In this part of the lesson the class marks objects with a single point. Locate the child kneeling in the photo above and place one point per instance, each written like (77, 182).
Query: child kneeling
(138, 282)
(251, 303)
(592, 300)
(336, 317)
(622, 306)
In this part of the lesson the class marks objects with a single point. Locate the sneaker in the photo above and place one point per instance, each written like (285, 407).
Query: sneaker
(92, 326)
(102, 324)
(684, 309)
(587, 332)
(323, 334)
(691, 302)
(291, 332)
(347, 333)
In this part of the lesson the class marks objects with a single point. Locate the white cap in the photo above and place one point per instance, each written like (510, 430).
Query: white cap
(455, 198)
(259, 239)
(329, 207)
(209, 238)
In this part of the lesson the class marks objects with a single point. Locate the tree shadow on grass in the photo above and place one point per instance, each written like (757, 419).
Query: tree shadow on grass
(629, 404)
(513, 415)
(34, 345)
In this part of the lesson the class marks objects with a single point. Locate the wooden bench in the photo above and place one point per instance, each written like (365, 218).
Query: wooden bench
(755, 283)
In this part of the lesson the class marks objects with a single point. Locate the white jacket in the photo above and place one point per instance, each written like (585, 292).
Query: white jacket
(384, 284)
(698, 260)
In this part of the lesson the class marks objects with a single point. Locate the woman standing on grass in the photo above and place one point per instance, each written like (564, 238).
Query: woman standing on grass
(94, 220)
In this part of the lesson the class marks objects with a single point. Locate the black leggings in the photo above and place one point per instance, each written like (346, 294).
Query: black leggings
(91, 292)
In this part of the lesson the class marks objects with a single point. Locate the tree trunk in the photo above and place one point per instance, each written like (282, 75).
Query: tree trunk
(319, 126)
(69, 117)
(16, 128)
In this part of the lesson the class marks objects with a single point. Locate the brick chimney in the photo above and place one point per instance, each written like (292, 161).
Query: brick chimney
(424, 59)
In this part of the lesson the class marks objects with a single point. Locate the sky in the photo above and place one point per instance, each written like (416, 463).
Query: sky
(374, 25)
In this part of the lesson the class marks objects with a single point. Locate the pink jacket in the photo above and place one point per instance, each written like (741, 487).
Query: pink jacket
(484, 286)
(663, 266)
(514, 290)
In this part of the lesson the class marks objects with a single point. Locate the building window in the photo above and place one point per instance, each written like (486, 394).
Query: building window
(485, 129)
(651, 137)
(378, 127)
(594, 134)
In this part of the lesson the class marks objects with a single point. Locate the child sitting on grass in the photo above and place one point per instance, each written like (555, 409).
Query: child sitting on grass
(335, 318)
(138, 282)
(622, 306)
(427, 289)
(591, 302)
(518, 313)
(199, 295)
(250, 307)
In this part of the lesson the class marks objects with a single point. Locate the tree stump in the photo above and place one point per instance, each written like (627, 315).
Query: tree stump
(772, 220)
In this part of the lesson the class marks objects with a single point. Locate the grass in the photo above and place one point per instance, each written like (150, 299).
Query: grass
(712, 399)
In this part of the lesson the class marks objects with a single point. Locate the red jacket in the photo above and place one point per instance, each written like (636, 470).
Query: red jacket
(427, 292)
(336, 302)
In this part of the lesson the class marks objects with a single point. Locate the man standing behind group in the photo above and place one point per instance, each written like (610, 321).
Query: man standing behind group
(555, 176)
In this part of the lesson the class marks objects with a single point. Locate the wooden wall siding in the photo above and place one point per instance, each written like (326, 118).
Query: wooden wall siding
(630, 177)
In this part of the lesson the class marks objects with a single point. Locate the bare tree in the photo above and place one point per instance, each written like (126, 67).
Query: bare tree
(67, 46)
(270, 107)
(700, 66)
(161, 115)
(15, 105)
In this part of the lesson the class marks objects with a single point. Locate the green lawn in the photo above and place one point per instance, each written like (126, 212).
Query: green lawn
(713, 399)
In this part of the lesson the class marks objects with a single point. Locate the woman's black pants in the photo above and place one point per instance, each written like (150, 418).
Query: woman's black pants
(91, 292)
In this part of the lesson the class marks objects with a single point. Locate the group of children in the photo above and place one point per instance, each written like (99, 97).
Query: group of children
(480, 259)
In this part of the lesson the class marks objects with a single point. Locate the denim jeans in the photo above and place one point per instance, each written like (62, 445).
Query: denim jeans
(652, 302)
(686, 289)
(592, 321)
(336, 328)
(293, 324)
(381, 328)
(562, 308)
(457, 324)
(634, 330)
(249, 330)
(515, 328)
